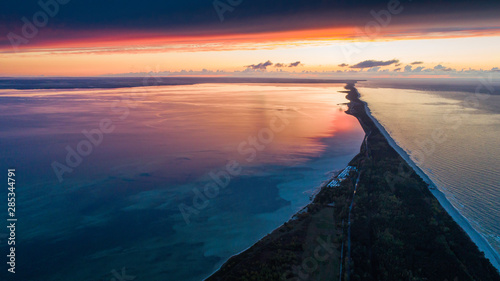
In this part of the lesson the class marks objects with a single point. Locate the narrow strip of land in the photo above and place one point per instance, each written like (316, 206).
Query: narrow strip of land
(396, 229)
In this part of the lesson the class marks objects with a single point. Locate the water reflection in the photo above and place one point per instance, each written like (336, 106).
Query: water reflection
(119, 207)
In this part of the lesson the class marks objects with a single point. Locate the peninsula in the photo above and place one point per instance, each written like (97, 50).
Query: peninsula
(376, 220)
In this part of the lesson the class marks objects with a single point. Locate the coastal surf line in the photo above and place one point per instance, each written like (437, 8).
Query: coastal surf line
(478, 239)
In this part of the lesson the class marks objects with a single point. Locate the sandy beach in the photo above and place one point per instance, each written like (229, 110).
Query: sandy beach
(475, 236)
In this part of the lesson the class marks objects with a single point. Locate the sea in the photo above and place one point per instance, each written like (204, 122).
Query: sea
(451, 130)
(168, 182)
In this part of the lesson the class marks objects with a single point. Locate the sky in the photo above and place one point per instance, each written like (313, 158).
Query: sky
(243, 37)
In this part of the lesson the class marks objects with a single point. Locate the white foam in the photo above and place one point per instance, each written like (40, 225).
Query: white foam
(475, 236)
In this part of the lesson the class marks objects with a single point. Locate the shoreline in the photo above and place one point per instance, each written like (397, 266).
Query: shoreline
(316, 190)
(282, 252)
(473, 234)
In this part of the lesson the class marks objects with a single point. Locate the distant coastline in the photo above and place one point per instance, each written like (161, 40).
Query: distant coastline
(145, 81)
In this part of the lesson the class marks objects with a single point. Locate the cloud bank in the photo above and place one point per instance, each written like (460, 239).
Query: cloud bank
(260, 66)
(373, 63)
(264, 65)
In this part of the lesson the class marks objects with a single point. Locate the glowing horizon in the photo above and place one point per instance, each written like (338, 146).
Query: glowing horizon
(320, 45)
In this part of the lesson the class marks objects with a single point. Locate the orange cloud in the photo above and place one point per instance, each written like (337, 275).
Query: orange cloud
(130, 41)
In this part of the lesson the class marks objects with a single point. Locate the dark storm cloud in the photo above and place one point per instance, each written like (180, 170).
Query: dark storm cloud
(104, 21)
(343, 65)
(168, 15)
(260, 66)
(373, 63)
(294, 64)
(279, 65)
(417, 62)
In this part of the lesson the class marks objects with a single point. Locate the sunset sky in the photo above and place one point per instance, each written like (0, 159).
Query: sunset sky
(91, 38)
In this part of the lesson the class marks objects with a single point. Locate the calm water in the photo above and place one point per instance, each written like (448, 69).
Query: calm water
(455, 142)
(153, 151)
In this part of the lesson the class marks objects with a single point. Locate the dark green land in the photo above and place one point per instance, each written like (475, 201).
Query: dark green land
(397, 230)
